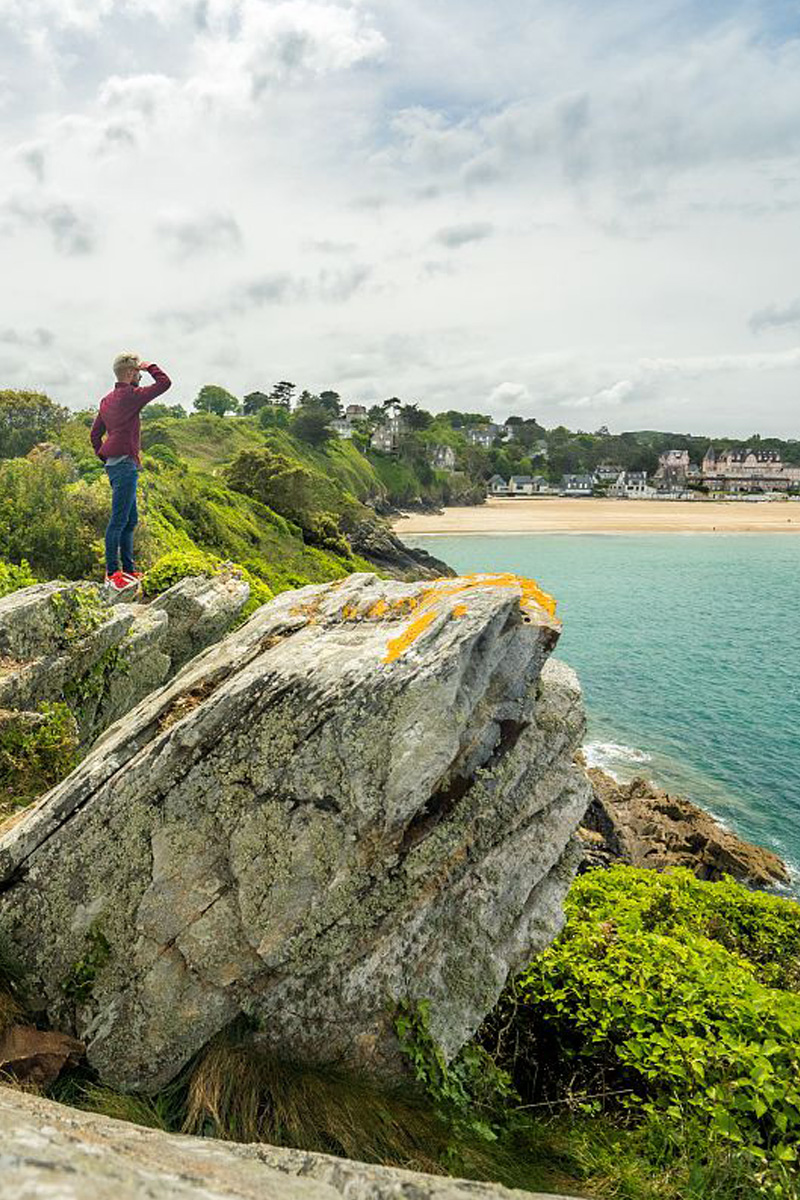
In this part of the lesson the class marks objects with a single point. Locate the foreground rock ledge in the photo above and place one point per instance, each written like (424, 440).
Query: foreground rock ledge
(365, 794)
(49, 1151)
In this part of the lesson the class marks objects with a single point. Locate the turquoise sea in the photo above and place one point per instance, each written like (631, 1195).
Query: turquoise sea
(688, 649)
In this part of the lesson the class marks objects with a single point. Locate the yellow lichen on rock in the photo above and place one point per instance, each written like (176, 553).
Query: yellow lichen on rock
(531, 596)
(397, 645)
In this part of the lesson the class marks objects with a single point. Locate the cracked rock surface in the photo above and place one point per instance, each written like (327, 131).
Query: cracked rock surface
(74, 641)
(364, 794)
(49, 1152)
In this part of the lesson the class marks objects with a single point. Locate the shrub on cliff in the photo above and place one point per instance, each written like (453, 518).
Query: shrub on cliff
(41, 522)
(13, 577)
(25, 419)
(289, 488)
(180, 564)
(678, 997)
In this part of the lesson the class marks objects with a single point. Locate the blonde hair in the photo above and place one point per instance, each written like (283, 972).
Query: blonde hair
(126, 362)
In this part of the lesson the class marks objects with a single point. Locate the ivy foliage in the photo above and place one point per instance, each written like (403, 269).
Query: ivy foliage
(672, 997)
(13, 577)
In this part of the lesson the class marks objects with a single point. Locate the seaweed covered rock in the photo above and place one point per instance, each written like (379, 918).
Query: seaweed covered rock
(364, 795)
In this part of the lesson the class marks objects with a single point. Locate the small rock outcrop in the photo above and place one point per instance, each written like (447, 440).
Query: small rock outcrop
(639, 824)
(375, 541)
(66, 641)
(365, 794)
(48, 1151)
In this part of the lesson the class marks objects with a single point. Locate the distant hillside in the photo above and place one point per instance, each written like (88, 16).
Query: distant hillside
(211, 486)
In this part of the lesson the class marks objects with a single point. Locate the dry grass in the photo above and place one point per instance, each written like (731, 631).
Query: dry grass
(238, 1093)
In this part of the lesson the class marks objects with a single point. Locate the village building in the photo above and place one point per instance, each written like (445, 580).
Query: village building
(632, 485)
(497, 486)
(673, 470)
(484, 435)
(343, 426)
(607, 473)
(386, 437)
(443, 458)
(577, 485)
(748, 470)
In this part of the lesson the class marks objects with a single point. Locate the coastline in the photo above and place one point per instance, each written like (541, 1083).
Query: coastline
(560, 515)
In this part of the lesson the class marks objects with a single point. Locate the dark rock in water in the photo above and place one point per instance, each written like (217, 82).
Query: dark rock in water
(639, 824)
(376, 542)
(365, 794)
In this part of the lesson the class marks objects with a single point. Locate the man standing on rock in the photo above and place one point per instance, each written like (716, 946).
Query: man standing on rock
(118, 420)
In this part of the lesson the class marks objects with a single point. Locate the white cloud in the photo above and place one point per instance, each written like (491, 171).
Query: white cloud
(506, 395)
(773, 317)
(607, 397)
(454, 236)
(188, 234)
(305, 182)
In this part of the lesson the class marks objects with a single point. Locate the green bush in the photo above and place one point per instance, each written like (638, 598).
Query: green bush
(25, 419)
(40, 522)
(13, 577)
(679, 995)
(180, 564)
(289, 488)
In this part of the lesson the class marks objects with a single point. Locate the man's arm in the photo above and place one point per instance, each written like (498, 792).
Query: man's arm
(146, 394)
(96, 435)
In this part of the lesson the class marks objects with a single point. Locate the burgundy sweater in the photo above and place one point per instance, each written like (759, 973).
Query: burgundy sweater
(118, 417)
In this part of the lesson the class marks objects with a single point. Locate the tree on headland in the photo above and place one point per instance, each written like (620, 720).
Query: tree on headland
(312, 424)
(332, 401)
(274, 416)
(415, 417)
(25, 419)
(154, 412)
(253, 402)
(283, 393)
(214, 399)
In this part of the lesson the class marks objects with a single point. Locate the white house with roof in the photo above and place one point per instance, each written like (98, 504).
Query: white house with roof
(497, 486)
(443, 458)
(632, 485)
(577, 485)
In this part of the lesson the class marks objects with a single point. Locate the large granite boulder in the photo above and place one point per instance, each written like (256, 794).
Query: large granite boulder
(365, 794)
(49, 1152)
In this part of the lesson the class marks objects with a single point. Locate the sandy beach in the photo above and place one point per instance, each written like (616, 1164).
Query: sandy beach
(557, 515)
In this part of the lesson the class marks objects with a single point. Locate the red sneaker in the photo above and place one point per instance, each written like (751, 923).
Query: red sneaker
(137, 575)
(119, 582)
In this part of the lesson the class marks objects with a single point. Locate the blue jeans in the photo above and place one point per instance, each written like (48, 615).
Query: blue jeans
(123, 477)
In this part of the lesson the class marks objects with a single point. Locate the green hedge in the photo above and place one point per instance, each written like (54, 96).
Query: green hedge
(681, 996)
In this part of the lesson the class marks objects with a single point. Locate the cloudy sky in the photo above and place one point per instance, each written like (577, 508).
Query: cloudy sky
(582, 210)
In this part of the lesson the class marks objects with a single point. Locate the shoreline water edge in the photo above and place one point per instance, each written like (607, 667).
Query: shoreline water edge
(638, 816)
